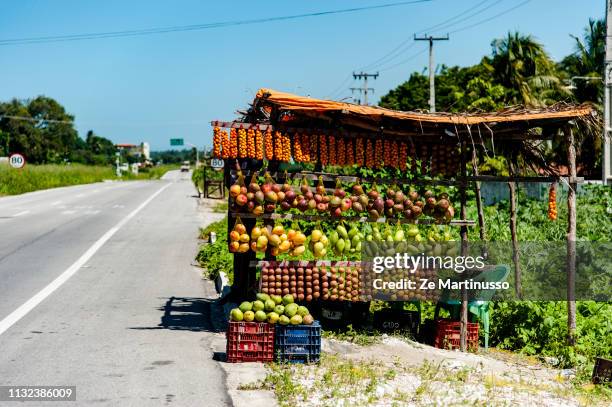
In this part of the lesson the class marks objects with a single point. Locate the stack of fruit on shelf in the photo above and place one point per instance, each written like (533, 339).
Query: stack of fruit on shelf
(312, 282)
(270, 197)
(272, 309)
(392, 240)
(344, 242)
(238, 238)
(335, 150)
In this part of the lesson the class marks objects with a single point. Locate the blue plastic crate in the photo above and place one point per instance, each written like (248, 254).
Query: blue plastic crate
(297, 343)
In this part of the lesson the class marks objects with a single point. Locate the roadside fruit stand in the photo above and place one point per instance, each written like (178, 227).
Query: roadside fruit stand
(307, 202)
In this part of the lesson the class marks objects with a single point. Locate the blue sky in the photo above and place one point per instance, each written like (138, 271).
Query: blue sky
(152, 88)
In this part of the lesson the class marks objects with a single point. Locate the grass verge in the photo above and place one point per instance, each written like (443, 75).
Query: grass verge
(37, 177)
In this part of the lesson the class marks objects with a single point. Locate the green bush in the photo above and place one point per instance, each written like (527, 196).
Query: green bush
(215, 257)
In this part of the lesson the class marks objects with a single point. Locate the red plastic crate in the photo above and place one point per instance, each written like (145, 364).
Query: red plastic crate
(250, 342)
(448, 334)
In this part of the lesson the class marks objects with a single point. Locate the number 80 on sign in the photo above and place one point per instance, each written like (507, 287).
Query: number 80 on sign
(17, 160)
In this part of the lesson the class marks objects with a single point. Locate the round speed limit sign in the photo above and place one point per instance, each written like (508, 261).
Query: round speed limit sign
(17, 160)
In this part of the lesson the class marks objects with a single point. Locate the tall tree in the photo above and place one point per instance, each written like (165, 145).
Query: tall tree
(588, 60)
(522, 65)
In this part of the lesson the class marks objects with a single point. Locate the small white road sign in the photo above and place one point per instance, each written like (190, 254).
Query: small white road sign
(217, 163)
(17, 160)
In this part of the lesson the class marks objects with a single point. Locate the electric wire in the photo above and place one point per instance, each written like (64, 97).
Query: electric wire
(486, 20)
(194, 27)
(399, 49)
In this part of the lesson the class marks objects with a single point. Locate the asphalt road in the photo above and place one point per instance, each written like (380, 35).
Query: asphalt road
(97, 291)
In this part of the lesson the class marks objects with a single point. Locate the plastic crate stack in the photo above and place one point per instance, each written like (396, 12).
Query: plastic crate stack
(298, 343)
(250, 342)
(448, 335)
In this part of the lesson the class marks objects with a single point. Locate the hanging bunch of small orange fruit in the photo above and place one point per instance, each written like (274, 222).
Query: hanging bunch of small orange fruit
(225, 145)
(233, 144)
(217, 142)
(323, 147)
(258, 145)
(359, 151)
(552, 202)
(269, 145)
(242, 143)
(251, 144)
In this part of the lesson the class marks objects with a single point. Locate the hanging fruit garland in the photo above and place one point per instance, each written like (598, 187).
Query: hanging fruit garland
(233, 148)
(225, 144)
(340, 152)
(403, 156)
(552, 201)
(251, 143)
(258, 145)
(359, 151)
(378, 153)
(332, 150)
(305, 146)
(369, 151)
(323, 147)
(350, 151)
(269, 145)
(216, 142)
(298, 155)
(242, 143)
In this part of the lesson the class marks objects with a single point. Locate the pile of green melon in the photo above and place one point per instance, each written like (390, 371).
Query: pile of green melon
(273, 309)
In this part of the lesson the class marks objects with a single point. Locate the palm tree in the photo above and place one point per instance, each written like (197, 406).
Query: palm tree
(522, 65)
(588, 60)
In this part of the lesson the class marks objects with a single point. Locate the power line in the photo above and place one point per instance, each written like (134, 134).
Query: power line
(404, 61)
(449, 22)
(195, 27)
(486, 20)
(399, 49)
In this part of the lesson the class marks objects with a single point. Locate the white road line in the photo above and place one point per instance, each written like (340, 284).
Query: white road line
(21, 213)
(56, 203)
(92, 212)
(80, 195)
(69, 212)
(30, 304)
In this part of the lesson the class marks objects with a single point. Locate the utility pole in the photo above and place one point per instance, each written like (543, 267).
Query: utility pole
(432, 80)
(364, 90)
(606, 162)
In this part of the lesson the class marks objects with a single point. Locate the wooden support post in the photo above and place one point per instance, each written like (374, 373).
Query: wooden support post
(571, 237)
(481, 221)
(464, 237)
(515, 245)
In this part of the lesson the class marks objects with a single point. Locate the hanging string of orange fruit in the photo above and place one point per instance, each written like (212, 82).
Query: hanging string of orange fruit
(314, 147)
(369, 152)
(269, 145)
(323, 147)
(258, 145)
(278, 145)
(331, 140)
(552, 201)
(225, 145)
(340, 152)
(305, 146)
(378, 153)
(251, 143)
(350, 152)
(359, 151)
(403, 156)
(233, 148)
(242, 143)
(298, 156)
(286, 147)
(216, 142)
